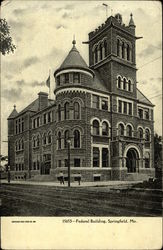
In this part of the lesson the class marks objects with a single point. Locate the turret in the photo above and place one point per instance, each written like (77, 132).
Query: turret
(10, 119)
(132, 25)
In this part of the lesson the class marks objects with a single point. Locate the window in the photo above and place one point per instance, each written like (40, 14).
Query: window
(66, 78)
(128, 52)
(16, 145)
(22, 124)
(16, 127)
(121, 129)
(59, 140)
(49, 116)
(120, 106)
(124, 83)
(22, 144)
(38, 141)
(123, 50)
(49, 137)
(95, 101)
(19, 145)
(96, 55)
(119, 82)
(19, 126)
(125, 107)
(100, 51)
(129, 85)
(76, 77)
(38, 121)
(105, 48)
(140, 133)
(58, 80)
(76, 139)
(104, 157)
(59, 163)
(44, 118)
(38, 165)
(76, 110)
(66, 163)
(66, 137)
(140, 113)
(44, 139)
(104, 128)
(130, 108)
(129, 131)
(96, 157)
(59, 112)
(118, 47)
(104, 103)
(147, 160)
(96, 130)
(77, 162)
(66, 110)
(34, 165)
(147, 135)
(146, 112)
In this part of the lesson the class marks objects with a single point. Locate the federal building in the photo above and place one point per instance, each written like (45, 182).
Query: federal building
(97, 109)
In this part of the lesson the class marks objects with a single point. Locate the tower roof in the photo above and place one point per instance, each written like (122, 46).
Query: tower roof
(131, 23)
(13, 113)
(73, 60)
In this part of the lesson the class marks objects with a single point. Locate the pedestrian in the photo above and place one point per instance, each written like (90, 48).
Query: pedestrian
(61, 177)
(79, 178)
(25, 176)
(9, 176)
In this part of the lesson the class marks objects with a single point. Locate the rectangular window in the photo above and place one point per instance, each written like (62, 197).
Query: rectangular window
(49, 116)
(96, 157)
(19, 126)
(95, 103)
(66, 78)
(38, 121)
(16, 127)
(140, 113)
(125, 108)
(77, 162)
(130, 108)
(59, 163)
(22, 124)
(66, 163)
(120, 106)
(58, 80)
(104, 103)
(34, 165)
(146, 114)
(76, 77)
(34, 123)
(44, 118)
(38, 165)
(104, 157)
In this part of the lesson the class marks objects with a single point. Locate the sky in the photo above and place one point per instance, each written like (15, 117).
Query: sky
(43, 32)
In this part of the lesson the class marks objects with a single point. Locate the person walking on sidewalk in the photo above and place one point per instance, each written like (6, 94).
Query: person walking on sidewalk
(61, 177)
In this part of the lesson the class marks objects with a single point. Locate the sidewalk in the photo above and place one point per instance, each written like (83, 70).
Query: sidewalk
(110, 184)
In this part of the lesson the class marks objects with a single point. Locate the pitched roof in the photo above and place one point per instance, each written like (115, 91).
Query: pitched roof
(13, 114)
(141, 98)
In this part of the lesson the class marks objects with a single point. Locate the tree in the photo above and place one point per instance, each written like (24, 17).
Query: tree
(6, 44)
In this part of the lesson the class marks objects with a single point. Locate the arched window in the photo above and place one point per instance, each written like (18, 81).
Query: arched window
(16, 146)
(123, 50)
(124, 83)
(22, 144)
(59, 140)
(34, 141)
(128, 52)
(38, 141)
(100, 49)
(44, 139)
(129, 85)
(119, 82)
(66, 137)
(147, 160)
(105, 48)
(147, 135)
(105, 129)
(96, 55)
(59, 112)
(120, 129)
(76, 139)
(96, 129)
(129, 130)
(140, 133)
(76, 110)
(66, 110)
(19, 145)
(49, 137)
(118, 47)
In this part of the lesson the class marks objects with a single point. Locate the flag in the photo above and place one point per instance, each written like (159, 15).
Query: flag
(48, 82)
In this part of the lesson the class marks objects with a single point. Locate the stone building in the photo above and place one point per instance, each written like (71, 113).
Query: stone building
(97, 108)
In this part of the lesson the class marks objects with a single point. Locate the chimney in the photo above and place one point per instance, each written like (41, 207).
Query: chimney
(43, 100)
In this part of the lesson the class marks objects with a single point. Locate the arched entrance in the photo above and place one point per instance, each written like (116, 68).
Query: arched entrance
(132, 160)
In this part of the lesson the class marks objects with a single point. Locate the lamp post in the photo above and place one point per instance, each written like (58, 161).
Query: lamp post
(68, 152)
